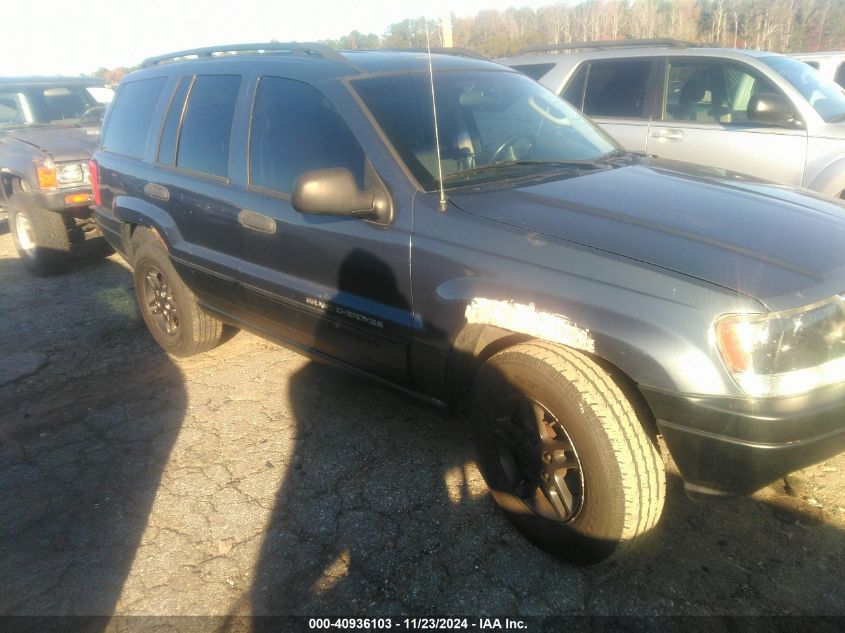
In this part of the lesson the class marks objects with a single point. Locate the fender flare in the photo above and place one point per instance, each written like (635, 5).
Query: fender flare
(135, 212)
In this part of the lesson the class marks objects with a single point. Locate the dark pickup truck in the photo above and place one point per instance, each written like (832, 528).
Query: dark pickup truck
(577, 299)
(49, 126)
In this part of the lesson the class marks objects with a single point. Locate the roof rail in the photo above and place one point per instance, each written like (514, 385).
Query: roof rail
(302, 48)
(658, 41)
(439, 50)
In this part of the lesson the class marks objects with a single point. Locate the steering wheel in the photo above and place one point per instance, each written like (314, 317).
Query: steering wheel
(518, 145)
(93, 113)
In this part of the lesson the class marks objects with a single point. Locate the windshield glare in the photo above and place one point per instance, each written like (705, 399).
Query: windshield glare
(485, 119)
(826, 97)
(30, 105)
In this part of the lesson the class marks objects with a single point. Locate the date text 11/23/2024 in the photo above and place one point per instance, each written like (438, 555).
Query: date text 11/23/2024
(435, 624)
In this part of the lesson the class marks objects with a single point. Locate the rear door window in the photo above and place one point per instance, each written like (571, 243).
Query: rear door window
(295, 129)
(131, 115)
(617, 88)
(207, 125)
(840, 75)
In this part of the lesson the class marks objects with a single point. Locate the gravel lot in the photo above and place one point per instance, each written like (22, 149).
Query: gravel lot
(250, 480)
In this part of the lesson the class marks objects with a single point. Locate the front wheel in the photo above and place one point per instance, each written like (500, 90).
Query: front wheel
(564, 453)
(40, 236)
(168, 306)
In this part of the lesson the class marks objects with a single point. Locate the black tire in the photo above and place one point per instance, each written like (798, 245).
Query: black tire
(564, 453)
(40, 236)
(168, 306)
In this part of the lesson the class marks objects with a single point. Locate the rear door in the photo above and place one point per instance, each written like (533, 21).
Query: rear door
(338, 286)
(703, 119)
(618, 95)
(191, 182)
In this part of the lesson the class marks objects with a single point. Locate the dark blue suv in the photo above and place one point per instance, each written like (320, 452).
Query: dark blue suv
(578, 300)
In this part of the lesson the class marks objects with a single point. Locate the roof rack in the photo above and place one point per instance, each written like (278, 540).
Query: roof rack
(658, 41)
(439, 50)
(301, 48)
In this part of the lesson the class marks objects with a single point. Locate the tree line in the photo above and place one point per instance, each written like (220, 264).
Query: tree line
(774, 25)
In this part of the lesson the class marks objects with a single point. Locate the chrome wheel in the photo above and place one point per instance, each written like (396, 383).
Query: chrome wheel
(159, 302)
(25, 234)
(539, 460)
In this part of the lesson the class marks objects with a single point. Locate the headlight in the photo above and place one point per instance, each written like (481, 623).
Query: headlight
(785, 353)
(51, 175)
(72, 173)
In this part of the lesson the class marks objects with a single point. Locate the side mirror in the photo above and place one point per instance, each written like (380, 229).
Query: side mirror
(335, 192)
(770, 108)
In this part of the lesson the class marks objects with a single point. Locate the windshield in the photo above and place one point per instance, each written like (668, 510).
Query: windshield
(826, 97)
(32, 105)
(492, 126)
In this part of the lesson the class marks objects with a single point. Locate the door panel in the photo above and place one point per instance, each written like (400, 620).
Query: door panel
(617, 96)
(631, 134)
(339, 286)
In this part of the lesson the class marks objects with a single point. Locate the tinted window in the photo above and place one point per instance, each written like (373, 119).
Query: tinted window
(617, 88)
(167, 146)
(132, 112)
(840, 75)
(535, 71)
(294, 130)
(207, 124)
(574, 91)
(712, 92)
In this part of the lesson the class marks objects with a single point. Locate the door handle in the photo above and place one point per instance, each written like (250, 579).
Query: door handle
(668, 135)
(159, 192)
(256, 222)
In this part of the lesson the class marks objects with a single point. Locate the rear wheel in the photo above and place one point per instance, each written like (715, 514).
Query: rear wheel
(564, 453)
(168, 306)
(40, 236)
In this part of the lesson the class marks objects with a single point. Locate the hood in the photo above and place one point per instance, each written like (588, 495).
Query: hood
(59, 142)
(773, 243)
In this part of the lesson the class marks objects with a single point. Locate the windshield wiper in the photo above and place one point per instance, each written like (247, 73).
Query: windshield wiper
(507, 164)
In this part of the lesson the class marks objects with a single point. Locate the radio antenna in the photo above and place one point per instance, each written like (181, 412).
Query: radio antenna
(443, 203)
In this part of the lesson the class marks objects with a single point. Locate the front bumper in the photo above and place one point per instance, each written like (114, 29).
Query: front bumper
(54, 199)
(735, 446)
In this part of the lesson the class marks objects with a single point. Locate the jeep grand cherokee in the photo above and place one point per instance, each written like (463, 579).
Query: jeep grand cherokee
(577, 299)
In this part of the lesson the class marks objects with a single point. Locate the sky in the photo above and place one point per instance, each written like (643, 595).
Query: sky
(72, 38)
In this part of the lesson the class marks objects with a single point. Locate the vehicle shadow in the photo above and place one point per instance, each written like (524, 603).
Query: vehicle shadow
(378, 487)
(81, 454)
(384, 512)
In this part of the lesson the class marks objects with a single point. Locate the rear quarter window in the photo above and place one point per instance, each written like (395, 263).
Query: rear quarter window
(131, 114)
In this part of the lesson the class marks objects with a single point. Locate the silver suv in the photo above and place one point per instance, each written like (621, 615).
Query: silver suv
(757, 113)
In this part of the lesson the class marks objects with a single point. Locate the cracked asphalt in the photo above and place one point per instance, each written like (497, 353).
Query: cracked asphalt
(250, 480)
